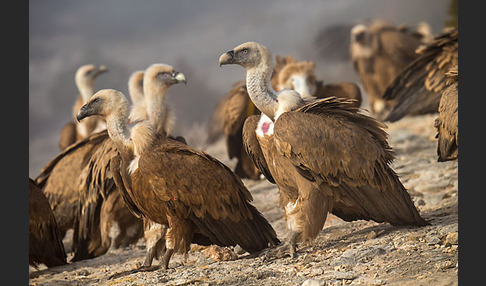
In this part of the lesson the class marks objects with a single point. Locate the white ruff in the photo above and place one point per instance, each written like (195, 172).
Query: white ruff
(133, 165)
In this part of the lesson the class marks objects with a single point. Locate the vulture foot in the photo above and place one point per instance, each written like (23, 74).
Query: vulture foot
(281, 251)
(142, 268)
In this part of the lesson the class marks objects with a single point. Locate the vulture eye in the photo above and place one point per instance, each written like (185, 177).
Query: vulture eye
(96, 100)
(88, 73)
(245, 51)
(163, 75)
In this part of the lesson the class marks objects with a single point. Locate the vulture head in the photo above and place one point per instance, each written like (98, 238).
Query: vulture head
(87, 74)
(360, 44)
(248, 55)
(299, 76)
(105, 103)
(159, 77)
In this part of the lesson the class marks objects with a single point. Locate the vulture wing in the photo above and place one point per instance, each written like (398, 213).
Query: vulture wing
(95, 183)
(418, 88)
(68, 135)
(447, 123)
(236, 111)
(347, 155)
(253, 148)
(45, 241)
(195, 185)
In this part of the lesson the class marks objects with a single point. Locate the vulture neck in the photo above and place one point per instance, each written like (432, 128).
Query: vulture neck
(156, 107)
(136, 94)
(116, 124)
(86, 91)
(260, 90)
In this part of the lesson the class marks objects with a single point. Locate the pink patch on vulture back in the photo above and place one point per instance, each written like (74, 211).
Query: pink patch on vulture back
(265, 127)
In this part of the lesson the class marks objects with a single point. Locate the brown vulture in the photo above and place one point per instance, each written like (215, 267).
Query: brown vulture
(73, 131)
(447, 124)
(45, 241)
(379, 52)
(418, 88)
(324, 155)
(176, 185)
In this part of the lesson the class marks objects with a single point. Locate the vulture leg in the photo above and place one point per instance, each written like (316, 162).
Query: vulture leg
(154, 236)
(178, 239)
(304, 217)
(166, 259)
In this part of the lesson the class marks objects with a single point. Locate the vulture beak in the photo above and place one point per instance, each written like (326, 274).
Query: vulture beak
(227, 58)
(180, 77)
(102, 69)
(83, 112)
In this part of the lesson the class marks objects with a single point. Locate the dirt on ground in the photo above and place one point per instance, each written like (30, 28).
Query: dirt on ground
(359, 252)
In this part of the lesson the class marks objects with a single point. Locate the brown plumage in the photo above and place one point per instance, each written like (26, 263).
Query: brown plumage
(172, 183)
(73, 131)
(379, 52)
(324, 155)
(418, 88)
(447, 124)
(237, 108)
(59, 179)
(45, 241)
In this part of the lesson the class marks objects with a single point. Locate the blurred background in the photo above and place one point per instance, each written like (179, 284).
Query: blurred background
(130, 35)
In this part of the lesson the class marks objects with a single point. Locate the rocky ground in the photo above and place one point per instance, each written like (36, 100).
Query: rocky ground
(359, 252)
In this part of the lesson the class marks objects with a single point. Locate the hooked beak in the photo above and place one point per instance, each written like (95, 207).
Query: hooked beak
(83, 112)
(227, 58)
(180, 77)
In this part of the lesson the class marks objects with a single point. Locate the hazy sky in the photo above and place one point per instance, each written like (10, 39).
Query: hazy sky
(129, 35)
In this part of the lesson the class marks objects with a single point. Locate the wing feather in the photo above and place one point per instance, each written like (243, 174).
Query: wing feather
(348, 152)
(252, 146)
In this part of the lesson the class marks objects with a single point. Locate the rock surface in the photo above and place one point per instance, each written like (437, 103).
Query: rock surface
(359, 252)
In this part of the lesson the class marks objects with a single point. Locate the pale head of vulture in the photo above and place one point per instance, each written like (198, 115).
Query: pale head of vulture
(105, 103)
(249, 55)
(85, 77)
(360, 45)
(299, 76)
(157, 79)
(257, 60)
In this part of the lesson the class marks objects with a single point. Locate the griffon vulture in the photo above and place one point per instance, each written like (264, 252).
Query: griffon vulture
(176, 185)
(45, 241)
(447, 124)
(73, 130)
(379, 52)
(324, 155)
(418, 88)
